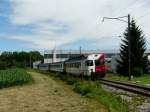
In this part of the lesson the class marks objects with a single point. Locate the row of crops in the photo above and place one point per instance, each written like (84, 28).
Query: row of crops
(12, 77)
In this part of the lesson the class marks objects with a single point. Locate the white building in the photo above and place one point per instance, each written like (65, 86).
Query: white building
(35, 64)
(114, 63)
(51, 56)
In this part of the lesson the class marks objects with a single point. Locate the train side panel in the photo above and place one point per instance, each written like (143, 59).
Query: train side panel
(57, 67)
(75, 67)
(44, 67)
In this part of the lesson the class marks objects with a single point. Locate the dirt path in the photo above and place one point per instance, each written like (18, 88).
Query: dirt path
(45, 95)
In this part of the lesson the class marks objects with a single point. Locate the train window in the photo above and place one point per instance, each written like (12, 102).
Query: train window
(76, 65)
(89, 62)
(99, 62)
(73, 64)
(48, 56)
(79, 65)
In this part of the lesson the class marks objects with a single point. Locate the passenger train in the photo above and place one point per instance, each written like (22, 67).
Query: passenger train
(91, 65)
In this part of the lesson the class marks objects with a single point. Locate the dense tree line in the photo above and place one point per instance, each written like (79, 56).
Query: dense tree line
(19, 59)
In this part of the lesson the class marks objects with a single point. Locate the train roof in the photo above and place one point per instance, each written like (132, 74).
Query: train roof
(81, 57)
(58, 62)
(87, 56)
(45, 64)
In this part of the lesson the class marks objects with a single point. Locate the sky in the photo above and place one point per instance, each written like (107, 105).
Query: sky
(68, 24)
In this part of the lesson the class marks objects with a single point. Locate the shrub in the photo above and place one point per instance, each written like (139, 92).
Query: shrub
(71, 81)
(83, 89)
(137, 71)
(63, 77)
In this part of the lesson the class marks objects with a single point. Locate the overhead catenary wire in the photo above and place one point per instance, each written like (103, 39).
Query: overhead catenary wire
(145, 14)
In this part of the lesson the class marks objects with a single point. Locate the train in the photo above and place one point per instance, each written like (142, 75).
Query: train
(92, 65)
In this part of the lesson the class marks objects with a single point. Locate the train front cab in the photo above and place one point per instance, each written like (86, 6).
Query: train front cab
(100, 68)
(96, 67)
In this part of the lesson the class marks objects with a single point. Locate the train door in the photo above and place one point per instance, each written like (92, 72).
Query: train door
(90, 67)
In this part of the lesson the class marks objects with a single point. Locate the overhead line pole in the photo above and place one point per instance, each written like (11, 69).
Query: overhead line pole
(129, 39)
(129, 45)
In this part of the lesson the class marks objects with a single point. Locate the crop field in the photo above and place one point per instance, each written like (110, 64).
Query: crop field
(12, 77)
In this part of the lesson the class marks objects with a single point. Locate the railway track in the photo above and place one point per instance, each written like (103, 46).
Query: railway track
(142, 90)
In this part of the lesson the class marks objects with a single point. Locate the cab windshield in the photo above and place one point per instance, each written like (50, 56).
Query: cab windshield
(89, 62)
(99, 62)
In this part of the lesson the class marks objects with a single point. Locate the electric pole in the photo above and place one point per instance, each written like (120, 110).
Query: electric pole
(129, 39)
(129, 45)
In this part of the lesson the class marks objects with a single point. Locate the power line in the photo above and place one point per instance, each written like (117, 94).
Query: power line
(120, 12)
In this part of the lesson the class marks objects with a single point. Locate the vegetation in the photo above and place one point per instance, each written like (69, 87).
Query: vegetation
(92, 90)
(12, 77)
(138, 47)
(144, 79)
(18, 59)
(83, 89)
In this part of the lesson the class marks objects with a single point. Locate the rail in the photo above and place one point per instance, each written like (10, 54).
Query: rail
(138, 89)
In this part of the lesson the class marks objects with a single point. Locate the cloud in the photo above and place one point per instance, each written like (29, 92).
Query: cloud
(67, 21)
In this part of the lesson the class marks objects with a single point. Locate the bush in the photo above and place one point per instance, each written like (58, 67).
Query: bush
(63, 77)
(109, 71)
(137, 71)
(83, 89)
(71, 81)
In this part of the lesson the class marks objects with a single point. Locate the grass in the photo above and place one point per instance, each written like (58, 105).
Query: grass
(12, 77)
(93, 90)
(145, 79)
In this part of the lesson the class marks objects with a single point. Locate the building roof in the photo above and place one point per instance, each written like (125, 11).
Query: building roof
(59, 51)
(78, 51)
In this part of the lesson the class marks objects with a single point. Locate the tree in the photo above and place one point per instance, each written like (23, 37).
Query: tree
(18, 59)
(138, 47)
